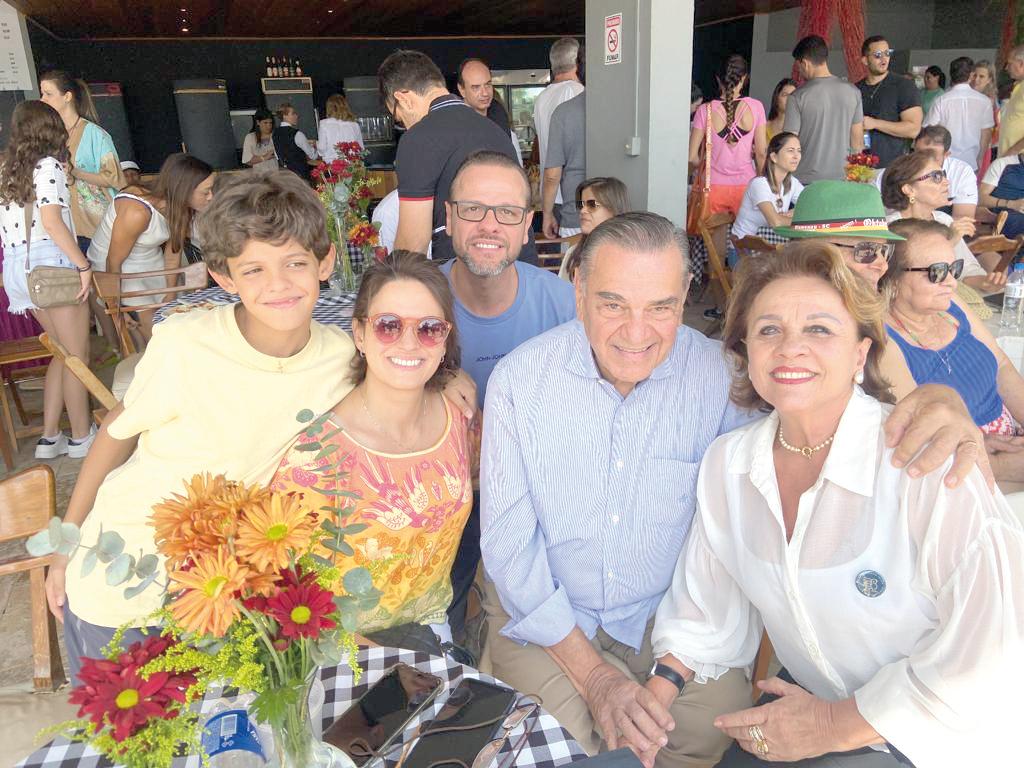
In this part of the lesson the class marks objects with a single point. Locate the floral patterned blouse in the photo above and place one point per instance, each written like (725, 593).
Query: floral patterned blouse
(415, 506)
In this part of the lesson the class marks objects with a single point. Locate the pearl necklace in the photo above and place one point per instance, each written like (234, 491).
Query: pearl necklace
(807, 451)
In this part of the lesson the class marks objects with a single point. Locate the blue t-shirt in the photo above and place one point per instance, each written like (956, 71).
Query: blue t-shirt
(542, 302)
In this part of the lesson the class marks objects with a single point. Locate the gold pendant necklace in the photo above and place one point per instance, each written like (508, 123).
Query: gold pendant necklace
(807, 451)
(405, 448)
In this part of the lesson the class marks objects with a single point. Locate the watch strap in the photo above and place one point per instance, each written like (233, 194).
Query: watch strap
(666, 672)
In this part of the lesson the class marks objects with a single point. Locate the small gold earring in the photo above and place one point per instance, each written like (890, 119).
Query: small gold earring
(913, 199)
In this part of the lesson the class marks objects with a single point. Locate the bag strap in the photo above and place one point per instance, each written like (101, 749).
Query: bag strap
(707, 151)
(29, 207)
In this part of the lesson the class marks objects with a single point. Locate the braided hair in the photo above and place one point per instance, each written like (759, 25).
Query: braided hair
(732, 74)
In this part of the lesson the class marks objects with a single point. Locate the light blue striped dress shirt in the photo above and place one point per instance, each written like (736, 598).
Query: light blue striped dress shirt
(587, 495)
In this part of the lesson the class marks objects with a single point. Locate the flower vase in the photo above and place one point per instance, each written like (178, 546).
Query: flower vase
(297, 737)
(343, 277)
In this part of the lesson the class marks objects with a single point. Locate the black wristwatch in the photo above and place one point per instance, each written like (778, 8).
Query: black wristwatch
(667, 673)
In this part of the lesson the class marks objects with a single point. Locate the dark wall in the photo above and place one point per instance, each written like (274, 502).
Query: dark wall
(146, 69)
(713, 44)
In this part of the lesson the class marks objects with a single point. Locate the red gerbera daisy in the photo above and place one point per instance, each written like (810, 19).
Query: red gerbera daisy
(302, 607)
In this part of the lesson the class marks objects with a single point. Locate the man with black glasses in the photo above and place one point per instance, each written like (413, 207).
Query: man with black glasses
(500, 302)
(892, 104)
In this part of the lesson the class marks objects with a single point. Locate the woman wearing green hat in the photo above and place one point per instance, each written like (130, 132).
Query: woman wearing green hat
(848, 215)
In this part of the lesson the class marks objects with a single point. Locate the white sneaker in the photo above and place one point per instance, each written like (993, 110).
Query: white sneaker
(52, 447)
(78, 448)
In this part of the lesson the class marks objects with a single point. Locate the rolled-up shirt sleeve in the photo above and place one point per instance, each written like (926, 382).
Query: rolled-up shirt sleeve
(512, 541)
(705, 620)
(967, 671)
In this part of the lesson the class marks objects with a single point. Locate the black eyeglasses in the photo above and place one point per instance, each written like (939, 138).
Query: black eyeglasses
(937, 272)
(866, 252)
(886, 54)
(592, 205)
(936, 176)
(467, 210)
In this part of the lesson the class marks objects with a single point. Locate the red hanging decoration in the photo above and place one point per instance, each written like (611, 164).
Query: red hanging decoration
(816, 18)
(1009, 36)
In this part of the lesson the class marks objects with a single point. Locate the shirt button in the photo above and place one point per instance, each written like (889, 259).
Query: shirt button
(792, 594)
(619, 464)
(611, 575)
(815, 652)
(615, 519)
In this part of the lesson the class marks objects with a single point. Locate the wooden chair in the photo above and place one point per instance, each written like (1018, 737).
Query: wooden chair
(714, 230)
(28, 500)
(550, 253)
(81, 372)
(110, 290)
(1000, 244)
(765, 653)
(751, 245)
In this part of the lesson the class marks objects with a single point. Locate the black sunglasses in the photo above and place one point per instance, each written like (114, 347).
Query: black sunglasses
(937, 272)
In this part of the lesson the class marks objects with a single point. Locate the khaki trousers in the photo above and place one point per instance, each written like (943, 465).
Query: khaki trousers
(529, 669)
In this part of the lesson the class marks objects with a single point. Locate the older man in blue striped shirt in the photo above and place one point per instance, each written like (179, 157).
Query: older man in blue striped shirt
(593, 435)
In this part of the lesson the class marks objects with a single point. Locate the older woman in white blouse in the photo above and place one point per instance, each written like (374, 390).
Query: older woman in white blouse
(895, 604)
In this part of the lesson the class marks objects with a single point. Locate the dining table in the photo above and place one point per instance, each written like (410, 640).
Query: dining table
(539, 741)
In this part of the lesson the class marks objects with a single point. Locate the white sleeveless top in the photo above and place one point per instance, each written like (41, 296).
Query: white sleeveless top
(146, 255)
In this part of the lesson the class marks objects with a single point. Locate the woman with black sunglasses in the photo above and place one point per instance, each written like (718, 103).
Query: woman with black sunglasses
(938, 342)
(915, 187)
(403, 448)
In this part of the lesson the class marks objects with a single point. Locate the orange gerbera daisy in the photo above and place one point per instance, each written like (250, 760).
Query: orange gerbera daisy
(273, 530)
(207, 603)
(186, 525)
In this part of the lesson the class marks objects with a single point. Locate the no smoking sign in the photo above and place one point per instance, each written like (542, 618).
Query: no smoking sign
(613, 38)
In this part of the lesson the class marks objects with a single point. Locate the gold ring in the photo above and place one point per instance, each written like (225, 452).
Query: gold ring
(759, 741)
(968, 442)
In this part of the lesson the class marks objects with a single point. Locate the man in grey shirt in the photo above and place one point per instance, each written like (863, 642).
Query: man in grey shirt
(825, 112)
(565, 165)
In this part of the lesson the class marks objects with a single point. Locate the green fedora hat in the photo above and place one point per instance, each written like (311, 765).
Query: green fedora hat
(839, 209)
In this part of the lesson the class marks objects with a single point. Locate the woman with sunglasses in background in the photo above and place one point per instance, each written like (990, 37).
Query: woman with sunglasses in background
(914, 187)
(404, 450)
(769, 197)
(936, 342)
(597, 199)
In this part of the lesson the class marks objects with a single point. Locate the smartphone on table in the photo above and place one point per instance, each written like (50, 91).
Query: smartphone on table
(367, 728)
(474, 701)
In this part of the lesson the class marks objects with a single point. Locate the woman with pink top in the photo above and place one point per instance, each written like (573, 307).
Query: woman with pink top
(738, 137)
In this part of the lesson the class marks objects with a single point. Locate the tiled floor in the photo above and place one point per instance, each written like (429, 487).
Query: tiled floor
(22, 712)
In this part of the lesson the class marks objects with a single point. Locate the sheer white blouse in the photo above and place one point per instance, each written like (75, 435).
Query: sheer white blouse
(898, 591)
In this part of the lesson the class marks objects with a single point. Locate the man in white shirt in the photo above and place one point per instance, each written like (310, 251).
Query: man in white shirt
(565, 84)
(963, 183)
(966, 113)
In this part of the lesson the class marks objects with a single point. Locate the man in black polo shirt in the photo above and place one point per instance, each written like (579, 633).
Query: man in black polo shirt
(442, 130)
(892, 104)
(292, 147)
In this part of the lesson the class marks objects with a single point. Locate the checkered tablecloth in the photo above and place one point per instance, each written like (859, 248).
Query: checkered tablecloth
(329, 310)
(547, 746)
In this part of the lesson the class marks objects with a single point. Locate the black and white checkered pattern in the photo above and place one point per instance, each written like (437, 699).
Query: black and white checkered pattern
(548, 744)
(329, 310)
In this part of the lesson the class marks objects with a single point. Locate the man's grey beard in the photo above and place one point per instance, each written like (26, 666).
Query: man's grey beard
(486, 270)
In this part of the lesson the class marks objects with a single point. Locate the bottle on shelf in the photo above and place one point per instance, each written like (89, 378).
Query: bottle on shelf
(298, 68)
(273, 66)
(268, 67)
(291, 67)
(1013, 299)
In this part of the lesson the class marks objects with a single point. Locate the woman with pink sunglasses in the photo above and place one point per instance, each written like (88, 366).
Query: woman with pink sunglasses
(403, 449)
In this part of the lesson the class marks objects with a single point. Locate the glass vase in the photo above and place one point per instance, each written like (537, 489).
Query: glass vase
(343, 277)
(297, 737)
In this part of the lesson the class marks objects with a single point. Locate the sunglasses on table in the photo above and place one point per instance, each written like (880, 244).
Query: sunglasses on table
(468, 210)
(514, 719)
(867, 253)
(388, 328)
(935, 176)
(937, 272)
(886, 54)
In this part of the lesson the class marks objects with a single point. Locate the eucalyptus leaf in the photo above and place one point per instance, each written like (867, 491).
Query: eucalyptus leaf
(345, 602)
(70, 534)
(147, 566)
(139, 588)
(357, 581)
(321, 560)
(89, 562)
(39, 545)
(65, 548)
(345, 549)
(119, 570)
(349, 530)
(111, 543)
(304, 415)
(350, 620)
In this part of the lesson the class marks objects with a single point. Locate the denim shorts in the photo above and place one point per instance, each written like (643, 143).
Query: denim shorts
(45, 253)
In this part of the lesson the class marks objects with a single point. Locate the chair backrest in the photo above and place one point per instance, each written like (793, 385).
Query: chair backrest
(28, 499)
(713, 230)
(752, 245)
(80, 370)
(1001, 222)
(110, 288)
(995, 243)
(550, 253)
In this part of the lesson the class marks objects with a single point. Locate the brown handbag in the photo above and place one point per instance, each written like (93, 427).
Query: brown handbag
(700, 191)
(49, 286)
